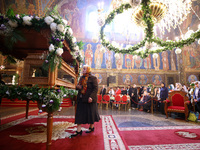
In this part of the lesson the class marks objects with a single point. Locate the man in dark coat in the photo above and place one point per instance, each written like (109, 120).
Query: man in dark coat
(163, 96)
(196, 96)
(145, 102)
(87, 110)
(103, 91)
(134, 97)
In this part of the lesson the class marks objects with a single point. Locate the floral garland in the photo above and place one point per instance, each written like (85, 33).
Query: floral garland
(135, 50)
(50, 99)
(60, 31)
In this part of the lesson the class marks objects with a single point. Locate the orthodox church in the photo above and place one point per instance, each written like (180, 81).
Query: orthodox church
(109, 30)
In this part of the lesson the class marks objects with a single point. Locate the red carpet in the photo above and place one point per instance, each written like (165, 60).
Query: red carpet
(160, 137)
(20, 115)
(67, 102)
(105, 136)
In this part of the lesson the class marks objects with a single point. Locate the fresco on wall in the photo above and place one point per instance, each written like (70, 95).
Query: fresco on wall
(165, 60)
(109, 59)
(192, 56)
(147, 62)
(22, 6)
(138, 62)
(89, 55)
(99, 77)
(119, 61)
(142, 79)
(156, 63)
(156, 79)
(73, 12)
(127, 79)
(192, 20)
(128, 61)
(99, 57)
(192, 78)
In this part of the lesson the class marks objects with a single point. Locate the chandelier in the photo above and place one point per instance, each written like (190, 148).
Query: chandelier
(159, 10)
(165, 14)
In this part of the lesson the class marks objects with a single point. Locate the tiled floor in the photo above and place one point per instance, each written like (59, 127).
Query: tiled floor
(129, 118)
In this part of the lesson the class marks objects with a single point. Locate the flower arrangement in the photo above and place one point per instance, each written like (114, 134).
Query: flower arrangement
(50, 99)
(60, 31)
(136, 49)
(192, 86)
(151, 86)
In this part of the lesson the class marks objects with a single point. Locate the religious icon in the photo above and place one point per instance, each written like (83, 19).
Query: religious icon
(88, 55)
(192, 78)
(147, 62)
(98, 57)
(108, 59)
(127, 79)
(119, 61)
(138, 62)
(165, 61)
(157, 79)
(99, 77)
(173, 61)
(142, 79)
(128, 61)
(156, 62)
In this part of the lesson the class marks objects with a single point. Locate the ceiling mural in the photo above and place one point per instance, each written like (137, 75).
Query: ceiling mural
(22, 6)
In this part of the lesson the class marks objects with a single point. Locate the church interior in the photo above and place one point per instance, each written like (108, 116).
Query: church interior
(126, 47)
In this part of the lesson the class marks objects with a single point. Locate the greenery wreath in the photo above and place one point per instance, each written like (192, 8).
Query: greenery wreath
(49, 99)
(60, 31)
(135, 50)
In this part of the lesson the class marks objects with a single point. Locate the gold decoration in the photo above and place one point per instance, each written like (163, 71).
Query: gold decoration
(158, 12)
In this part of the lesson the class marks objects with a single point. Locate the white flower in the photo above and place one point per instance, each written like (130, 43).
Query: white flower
(74, 40)
(48, 20)
(60, 28)
(64, 31)
(36, 17)
(13, 23)
(27, 20)
(65, 21)
(51, 48)
(18, 16)
(2, 67)
(53, 26)
(7, 92)
(69, 30)
(76, 48)
(73, 56)
(59, 51)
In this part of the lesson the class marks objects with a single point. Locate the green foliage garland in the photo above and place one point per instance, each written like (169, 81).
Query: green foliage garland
(50, 99)
(165, 45)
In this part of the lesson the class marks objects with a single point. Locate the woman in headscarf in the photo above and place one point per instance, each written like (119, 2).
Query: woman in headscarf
(171, 87)
(178, 87)
(87, 110)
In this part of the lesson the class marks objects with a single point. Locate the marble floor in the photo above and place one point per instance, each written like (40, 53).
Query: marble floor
(129, 118)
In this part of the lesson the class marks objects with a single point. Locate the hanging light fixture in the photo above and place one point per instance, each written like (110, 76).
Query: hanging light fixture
(178, 51)
(155, 55)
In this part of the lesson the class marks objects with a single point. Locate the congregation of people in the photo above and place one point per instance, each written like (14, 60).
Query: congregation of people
(140, 97)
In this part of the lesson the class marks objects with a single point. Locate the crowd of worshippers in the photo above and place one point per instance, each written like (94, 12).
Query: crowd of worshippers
(140, 97)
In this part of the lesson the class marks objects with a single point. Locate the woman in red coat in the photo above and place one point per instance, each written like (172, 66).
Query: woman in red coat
(118, 91)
